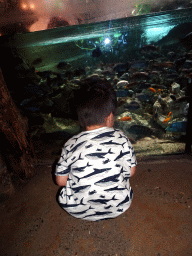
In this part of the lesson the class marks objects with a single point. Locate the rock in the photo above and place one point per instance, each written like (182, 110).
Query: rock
(44, 74)
(143, 97)
(121, 84)
(63, 65)
(121, 68)
(124, 93)
(175, 88)
(79, 72)
(133, 105)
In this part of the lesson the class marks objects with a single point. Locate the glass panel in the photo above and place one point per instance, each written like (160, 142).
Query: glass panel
(147, 59)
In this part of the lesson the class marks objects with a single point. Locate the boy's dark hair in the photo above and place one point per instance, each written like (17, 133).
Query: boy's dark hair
(95, 100)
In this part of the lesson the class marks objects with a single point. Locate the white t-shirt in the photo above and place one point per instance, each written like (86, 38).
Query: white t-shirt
(98, 163)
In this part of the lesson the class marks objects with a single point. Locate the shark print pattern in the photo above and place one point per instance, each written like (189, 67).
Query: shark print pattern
(98, 163)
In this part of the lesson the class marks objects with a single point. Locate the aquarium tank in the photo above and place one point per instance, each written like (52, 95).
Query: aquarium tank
(143, 47)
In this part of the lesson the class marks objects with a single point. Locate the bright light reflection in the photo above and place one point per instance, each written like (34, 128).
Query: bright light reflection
(107, 41)
(156, 34)
(24, 6)
(32, 6)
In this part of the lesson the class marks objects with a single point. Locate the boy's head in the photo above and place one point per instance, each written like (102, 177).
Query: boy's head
(96, 100)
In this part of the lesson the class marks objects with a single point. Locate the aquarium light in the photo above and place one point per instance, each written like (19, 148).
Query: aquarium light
(107, 41)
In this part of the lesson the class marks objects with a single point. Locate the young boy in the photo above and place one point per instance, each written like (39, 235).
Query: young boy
(95, 165)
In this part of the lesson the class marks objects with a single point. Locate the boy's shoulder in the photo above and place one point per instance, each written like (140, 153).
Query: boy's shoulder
(97, 134)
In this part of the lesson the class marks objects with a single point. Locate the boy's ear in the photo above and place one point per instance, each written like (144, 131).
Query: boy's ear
(110, 119)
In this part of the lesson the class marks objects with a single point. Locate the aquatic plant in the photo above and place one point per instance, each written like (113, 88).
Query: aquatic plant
(142, 9)
(100, 42)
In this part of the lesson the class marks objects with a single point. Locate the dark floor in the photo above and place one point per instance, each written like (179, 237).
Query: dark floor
(158, 223)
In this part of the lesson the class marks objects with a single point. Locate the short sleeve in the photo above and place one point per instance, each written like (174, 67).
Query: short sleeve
(62, 169)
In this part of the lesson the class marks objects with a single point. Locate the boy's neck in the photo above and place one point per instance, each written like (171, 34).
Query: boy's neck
(94, 127)
(109, 121)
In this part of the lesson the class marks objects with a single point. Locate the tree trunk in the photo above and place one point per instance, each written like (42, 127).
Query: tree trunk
(15, 146)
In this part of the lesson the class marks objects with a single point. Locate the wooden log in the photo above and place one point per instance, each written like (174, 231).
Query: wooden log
(16, 144)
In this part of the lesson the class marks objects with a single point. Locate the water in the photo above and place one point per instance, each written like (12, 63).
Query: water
(120, 41)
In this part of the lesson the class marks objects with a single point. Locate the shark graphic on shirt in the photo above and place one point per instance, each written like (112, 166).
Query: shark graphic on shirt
(124, 201)
(108, 181)
(95, 156)
(81, 189)
(95, 172)
(81, 169)
(72, 205)
(104, 135)
(66, 171)
(77, 146)
(112, 143)
(79, 213)
(101, 201)
(115, 189)
(97, 214)
(121, 155)
(76, 138)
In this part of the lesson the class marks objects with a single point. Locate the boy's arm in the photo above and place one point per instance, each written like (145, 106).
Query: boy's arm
(133, 170)
(61, 180)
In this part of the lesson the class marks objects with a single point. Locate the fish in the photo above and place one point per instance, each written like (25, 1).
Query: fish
(109, 180)
(179, 63)
(187, 41)
(170, 113)
(63, 65)
(125, 118)
(140, 64)
(121, 155)
(95, 172)
(97, 52)
(130, 84)
(124, 201)
(152, 89)
(144, 85)
(175, 34)
(104, 135)
(140, 76)
(183, 99)
(166, 120)
(133, 105)
(143, 97)
(72, 205)
(81, 169)
(44, 74)
(166, 64)
(101, 201)
(95, 156)
(149, 48)
(80, 189)
(177, 127)
(141, 131)
(37, 61)
(122, 67)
